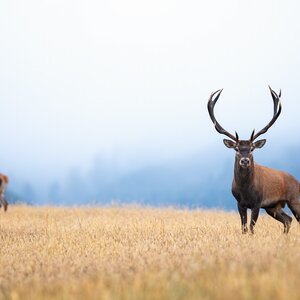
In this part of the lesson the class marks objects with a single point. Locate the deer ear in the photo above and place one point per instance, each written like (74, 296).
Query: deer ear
(259, 144)
(229, 143)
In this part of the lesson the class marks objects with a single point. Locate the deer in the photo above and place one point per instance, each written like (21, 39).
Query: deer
(255, 186)
(3, 185)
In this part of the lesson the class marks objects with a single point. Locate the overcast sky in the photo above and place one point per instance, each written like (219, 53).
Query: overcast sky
(129, 80)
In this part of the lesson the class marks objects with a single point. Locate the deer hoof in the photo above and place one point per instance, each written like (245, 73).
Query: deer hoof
(244, 230)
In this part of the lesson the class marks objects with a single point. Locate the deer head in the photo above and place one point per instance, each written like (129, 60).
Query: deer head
(243, 148)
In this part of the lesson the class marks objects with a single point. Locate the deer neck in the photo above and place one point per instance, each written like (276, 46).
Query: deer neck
(243, 176)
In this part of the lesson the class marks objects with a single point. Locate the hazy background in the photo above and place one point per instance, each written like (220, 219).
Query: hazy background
(106, 100)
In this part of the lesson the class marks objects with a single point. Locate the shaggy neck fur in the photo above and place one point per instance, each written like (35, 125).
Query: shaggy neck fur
(243, 176)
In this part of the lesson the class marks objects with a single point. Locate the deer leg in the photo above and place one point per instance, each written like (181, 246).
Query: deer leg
(254, 216)
(294, 206)
(288, 221)
(243, 215)
(3, 202)
(281, 216)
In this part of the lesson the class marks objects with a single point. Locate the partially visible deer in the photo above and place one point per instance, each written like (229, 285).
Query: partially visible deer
(255, 186)
(3, 185)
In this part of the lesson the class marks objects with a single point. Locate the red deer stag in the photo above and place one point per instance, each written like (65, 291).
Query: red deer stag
(3, 185)
(255, 186)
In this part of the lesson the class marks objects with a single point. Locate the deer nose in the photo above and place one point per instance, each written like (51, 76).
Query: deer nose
(245, 161)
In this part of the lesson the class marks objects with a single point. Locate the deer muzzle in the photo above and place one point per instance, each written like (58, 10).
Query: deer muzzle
(244, 162)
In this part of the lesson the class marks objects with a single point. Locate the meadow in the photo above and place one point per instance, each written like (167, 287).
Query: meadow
(136, 252)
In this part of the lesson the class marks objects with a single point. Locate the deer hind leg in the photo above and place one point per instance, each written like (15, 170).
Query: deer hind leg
(278, 214)
(294, 206)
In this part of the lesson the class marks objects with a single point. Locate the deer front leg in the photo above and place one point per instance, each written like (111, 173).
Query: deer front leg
(254, 216)
(243, 215)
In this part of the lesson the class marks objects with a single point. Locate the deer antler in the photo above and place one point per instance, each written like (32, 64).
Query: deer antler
(210, 105)
(276, 113)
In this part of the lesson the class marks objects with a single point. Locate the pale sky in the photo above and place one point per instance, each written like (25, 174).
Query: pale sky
(129, 80)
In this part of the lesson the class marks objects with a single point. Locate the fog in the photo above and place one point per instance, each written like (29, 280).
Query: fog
(97, 97)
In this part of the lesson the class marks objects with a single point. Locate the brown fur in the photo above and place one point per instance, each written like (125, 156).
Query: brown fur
(276, 185)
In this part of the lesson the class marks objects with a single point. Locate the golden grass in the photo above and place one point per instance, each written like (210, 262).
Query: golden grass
(144, 253)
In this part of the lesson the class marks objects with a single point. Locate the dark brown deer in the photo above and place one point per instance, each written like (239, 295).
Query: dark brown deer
(255, 186)
(3, 185)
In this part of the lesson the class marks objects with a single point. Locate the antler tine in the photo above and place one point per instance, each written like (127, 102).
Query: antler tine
(236, 136)
(210, 106)
(252, 135)
(276, 113)
(276, 99)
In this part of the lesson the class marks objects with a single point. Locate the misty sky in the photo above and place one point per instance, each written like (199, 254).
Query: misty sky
(128, 81)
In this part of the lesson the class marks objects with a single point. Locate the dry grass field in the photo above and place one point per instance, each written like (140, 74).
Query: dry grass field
(144, 253)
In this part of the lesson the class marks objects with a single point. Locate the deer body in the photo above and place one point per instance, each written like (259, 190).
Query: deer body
(263, 187)
(3, 185)
(255, 186)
